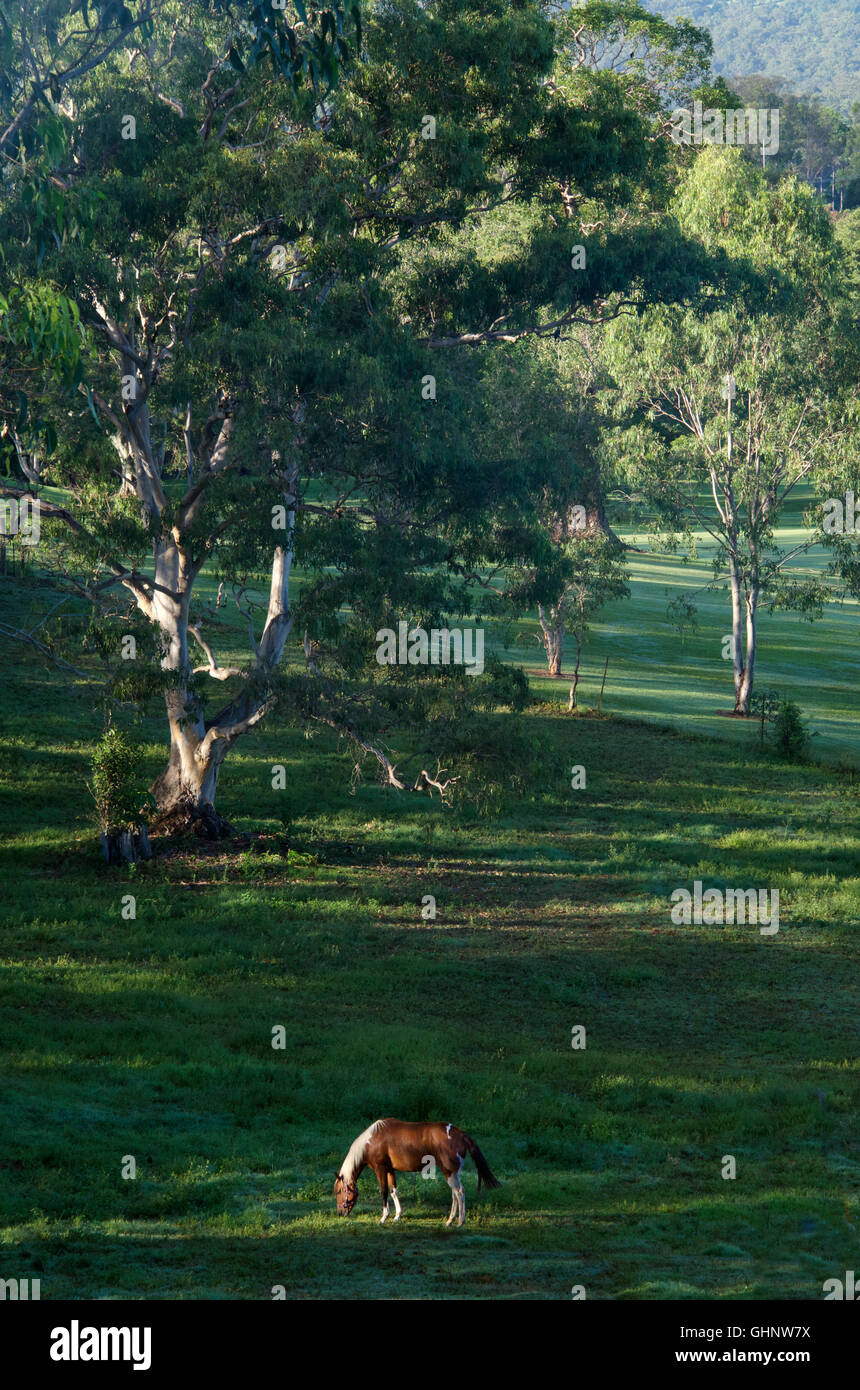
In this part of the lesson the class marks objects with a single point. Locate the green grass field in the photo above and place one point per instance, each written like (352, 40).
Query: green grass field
(152, 1037)
(655, 675)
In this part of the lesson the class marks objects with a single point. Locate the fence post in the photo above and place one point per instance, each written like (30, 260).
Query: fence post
(605, 669)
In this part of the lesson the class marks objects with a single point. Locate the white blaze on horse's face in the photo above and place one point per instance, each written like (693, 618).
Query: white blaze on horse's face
(346, 1194)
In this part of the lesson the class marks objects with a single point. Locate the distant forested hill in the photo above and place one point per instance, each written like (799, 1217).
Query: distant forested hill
(814, 44)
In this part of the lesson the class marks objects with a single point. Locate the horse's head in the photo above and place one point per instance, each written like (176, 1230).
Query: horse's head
(346, 1194)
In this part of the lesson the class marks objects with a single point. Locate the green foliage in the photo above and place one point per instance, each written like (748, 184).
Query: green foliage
(790, 735)
(304, 43)
(42, 327)
(294, 269)
(727, 411)
(116, 782)
(597, 573)
(764, 707)
(389, 245)
(682, 613)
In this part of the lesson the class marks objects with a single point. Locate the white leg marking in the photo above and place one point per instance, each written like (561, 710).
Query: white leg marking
(384, 1215)
(452, 1183)
(461, 1192)
(397, 1207)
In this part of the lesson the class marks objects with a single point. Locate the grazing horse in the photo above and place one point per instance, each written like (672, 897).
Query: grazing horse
(390, 1146)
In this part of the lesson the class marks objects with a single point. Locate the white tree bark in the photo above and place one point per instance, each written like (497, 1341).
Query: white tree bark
(185, 790)
(552, 629)
(745, 589)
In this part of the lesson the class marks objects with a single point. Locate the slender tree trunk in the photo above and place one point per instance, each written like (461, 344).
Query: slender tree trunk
(552, 628)
(744, 693)
(571, 703)
(744, 597)
(744, 614)
(737, 629)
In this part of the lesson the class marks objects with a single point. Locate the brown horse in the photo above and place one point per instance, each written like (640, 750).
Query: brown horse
(390, 1146)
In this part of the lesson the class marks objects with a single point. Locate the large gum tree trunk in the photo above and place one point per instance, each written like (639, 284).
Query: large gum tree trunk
(595, 504)
(185, 791)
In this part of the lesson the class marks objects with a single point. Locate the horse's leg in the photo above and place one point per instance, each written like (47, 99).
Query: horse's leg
(392, 1183)
(461, 1192)
(382, 1176)
(452, 1183)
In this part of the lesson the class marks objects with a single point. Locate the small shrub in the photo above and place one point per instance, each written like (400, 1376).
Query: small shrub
(789, 730)
(116, 786)
(765, 706)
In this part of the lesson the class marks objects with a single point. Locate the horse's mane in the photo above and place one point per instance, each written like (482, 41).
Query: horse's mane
(356, 1151)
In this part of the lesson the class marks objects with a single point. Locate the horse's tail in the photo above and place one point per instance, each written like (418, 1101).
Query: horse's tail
(483, 1167)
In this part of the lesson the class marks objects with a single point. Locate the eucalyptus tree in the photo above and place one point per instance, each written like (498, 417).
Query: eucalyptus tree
(270, 294)
(619, 52)
(256, 394)
(836, 511)
(47, 47)
(626, 67)
(739, 406)
(594, 574)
